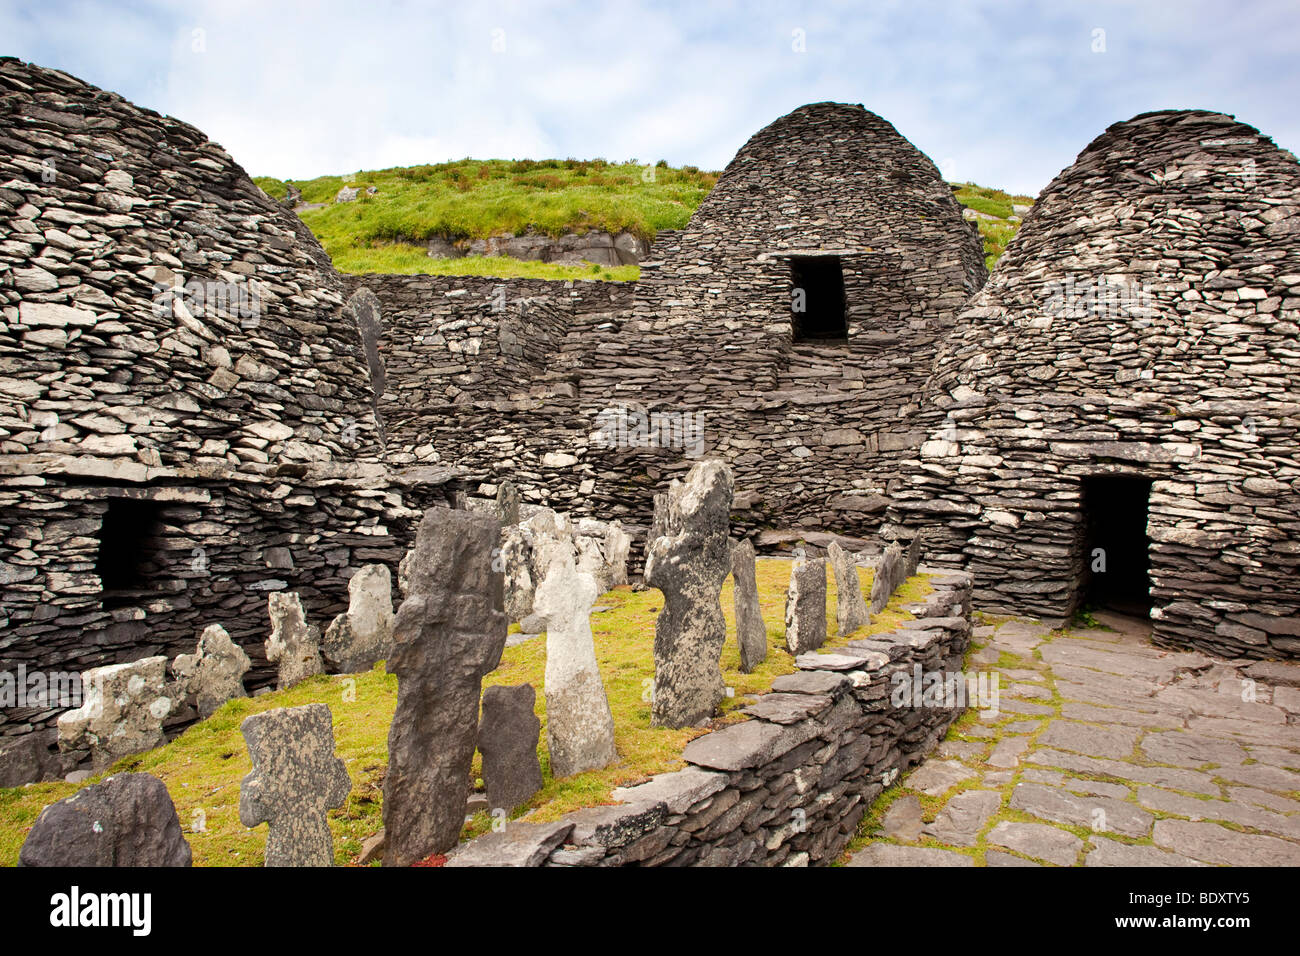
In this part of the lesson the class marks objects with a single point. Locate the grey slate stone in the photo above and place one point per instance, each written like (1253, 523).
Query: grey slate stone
(508, 734)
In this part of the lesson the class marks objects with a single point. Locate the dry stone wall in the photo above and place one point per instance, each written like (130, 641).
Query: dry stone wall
(1143, 322)
(787, 787)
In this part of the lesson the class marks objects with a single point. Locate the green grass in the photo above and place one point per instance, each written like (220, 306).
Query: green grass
(992, 202)
(203, 767)
(478, 199)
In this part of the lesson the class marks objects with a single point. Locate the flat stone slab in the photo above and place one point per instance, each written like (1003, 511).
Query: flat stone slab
(519, 844)
(935, 777)
(1192, 781)
(1114, 742)
(1098, 813)
(1197, 810)
(745, 745)
(1074, 710)
(1212, 843)
(1184, 749)
(788, 708)
(1275, 673)
(962, 818)
(1114, 853)
(679, 790)
(1008, 751)
(886, 854)
(1037, 840)
(841, 661)
(998, 858)
(812, 682)
(903, 820)
(959, 749)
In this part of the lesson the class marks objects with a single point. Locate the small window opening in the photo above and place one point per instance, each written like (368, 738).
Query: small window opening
(127, 562)
(817, 306)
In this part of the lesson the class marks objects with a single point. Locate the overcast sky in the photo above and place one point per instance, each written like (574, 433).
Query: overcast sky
(1001, 93)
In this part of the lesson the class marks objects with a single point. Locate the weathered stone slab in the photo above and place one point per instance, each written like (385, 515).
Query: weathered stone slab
(688, 564)
(889, 575)
(617, 548)
(293, 643)
(1113, 853)
(805, 605)
(913, 559)
(1008, 751)
(886, 854)
(214, 673)
(507, 738)
(1185, 749)
(678, 791)
(356, 640)
(851, 609)
(1212, 843)
(813, 682)
(751, 632)
(579, 724)
(122, 714)
(903, 820)
(788, 708)
(519, 844)
(449, 633)
(295, 781)
(507, 503)
(1114, 742)
(1166, 801)
(935, 777)
(517, 561)
(1097, 813)
(1037, 840)
(962, 817)
(128, 820)
(1190, 780)
(744, 745)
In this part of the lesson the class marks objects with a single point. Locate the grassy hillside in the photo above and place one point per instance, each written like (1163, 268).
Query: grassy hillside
(475, 199)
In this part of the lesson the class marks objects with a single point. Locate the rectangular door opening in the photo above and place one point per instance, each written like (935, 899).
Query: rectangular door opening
(818, 310)
(1116, 556)
(127, 562)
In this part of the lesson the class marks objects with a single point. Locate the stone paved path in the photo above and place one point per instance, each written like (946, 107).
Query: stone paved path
(1107, 751)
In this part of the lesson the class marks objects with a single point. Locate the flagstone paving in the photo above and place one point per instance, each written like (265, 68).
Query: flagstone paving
(1105, 750)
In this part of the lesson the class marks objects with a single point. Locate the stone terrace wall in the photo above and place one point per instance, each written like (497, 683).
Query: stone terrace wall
(1186, 372)
(787, 787)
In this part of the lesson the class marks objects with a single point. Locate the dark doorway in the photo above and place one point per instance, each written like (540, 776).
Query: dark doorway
(1116, 559)
(817, 306)
(128, 549)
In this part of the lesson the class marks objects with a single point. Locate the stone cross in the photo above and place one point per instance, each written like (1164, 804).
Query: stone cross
(295, 781)
(579, 724)
(294, 643)
(507, 739)
(850, 609)
(688, 564)
(122, 714)
(751, 632)
(805, 605)
(363, 635)
(214, 673)
(889, 575)
(450, 632)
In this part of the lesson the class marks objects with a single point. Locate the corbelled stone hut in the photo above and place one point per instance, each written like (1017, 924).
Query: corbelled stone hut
(186, 408)
(1116, 423)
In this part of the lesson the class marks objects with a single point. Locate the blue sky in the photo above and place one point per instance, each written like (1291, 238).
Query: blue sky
(1001, 93)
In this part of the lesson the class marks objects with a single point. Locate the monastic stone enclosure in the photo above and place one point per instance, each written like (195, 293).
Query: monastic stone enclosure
(1119, 412)
(198, 411)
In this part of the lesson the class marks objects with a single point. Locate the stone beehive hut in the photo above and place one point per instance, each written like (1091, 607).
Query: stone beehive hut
(185, 404)
(1117, 421)
(798, 314)
(828, 208)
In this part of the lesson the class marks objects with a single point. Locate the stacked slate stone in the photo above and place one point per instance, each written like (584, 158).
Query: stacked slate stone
(180, 373)
(1143, 322)
(511, 376)
(787, 787)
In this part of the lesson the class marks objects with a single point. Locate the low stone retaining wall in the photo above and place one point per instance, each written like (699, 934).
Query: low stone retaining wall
(787, 787)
